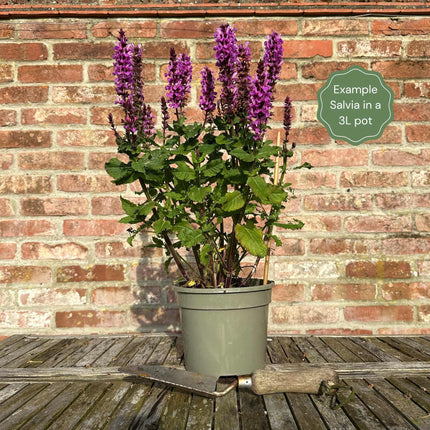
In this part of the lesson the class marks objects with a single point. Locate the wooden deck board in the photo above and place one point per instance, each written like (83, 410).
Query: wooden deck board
(390, 402)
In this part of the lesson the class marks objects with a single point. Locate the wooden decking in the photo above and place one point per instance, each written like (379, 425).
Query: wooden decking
(390, 403)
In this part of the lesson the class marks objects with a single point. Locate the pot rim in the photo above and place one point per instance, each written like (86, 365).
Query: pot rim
(232, 290)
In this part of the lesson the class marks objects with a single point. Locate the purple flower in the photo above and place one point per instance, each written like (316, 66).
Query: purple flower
(226, 53)
(260, 102)
(273, 57)
(243, 79)
(165, 115)
(147, 120)
(207, 98)
(287, 117)
(179, 74)
(123, 68)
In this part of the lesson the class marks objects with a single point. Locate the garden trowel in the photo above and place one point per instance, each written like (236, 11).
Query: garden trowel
(274, 379)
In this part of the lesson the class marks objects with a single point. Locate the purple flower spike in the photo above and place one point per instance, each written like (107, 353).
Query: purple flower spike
(287, 117)
(179, 75)
(226, 53)
(123, 68)
(165, 115)
(260, 102)
(273, 57)
(243, 79)
(207, 98)
(147, 123)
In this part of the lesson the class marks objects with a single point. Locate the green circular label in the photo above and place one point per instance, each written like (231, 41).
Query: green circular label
(355, 105)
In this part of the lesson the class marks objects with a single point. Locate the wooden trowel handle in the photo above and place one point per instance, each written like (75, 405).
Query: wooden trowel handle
(279, 380)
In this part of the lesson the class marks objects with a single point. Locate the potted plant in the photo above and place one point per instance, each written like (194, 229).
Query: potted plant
(210, 199)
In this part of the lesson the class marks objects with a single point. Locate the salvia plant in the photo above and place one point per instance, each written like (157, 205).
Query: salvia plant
(208, 186)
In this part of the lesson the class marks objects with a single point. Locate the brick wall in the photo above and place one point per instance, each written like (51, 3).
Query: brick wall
(360, 265)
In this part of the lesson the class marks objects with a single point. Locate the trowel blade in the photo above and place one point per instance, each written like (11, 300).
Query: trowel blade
(204, 385)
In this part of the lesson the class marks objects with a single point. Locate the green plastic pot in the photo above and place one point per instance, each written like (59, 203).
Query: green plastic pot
(225, 330)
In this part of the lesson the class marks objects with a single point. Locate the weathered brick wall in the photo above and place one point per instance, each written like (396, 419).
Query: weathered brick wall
(360, 265)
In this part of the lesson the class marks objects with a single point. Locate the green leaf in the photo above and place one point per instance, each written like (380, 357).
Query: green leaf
(129, 207)
(205, 254)
(213, 168)
(121, 173)
(260, 188)
(176, 196)
(188, 235)
(267, 151)
(277, 194)
(233, 201)
(184, 172)
(146, 208)
(160, 225)
(296, 225)
(251, 238)
(198, 194)
(167, 264)
(242, 155)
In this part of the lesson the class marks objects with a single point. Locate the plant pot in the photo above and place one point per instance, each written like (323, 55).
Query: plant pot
(225, 330)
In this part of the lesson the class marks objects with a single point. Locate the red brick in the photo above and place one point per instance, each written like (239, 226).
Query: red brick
(418, 133)
(152, 295)
(51, 160)
(161, 50)
(25, 184)
(334, 27)
(24, 94)
(339, 332)
(391, 134)
(23, 51)
(54, 206)
(263, 27)
(153, 271)
(393, 331)
(83, 94)
(420, 178)
(7, 251)
(51, 297)
(90, 318)
(395, 157)
(402, 201)
(401, 27)
(82, 227)
(422, 222)
(6, 209)
(338, 202)
(308, 180)
(290, 247)
(6, 161)
(54, 116)
(82, 51)
(187, 29)
(24, 139)
(96, 273)
(106, 206)
(334, 292)
(336, 157)
(310, 135)
(378, 313)
(308, 48)
(25, 319)
(343, 246)
(417, 89)
(6, 31)
(405, 291)
(132, 28)
(124, 250)
(25, 228)
(6, 73)
(7, 117)
(113, 296)
(412, 112)
(424, 268)
(25, 274)
(99, 115)
(288, 293)
(59, 251)
(52, 30)
(297, 92)
(424, 313)
(85, 183)
(322, 70)
(370, 48)
(305, 314)
(305, 270)
(403, 69)
(406, 246)
(418, 48)
(317, 223)
(150, 317)
(85, 138)
(380, 269)
(378, 223)
(374, 179)
(50, 73)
